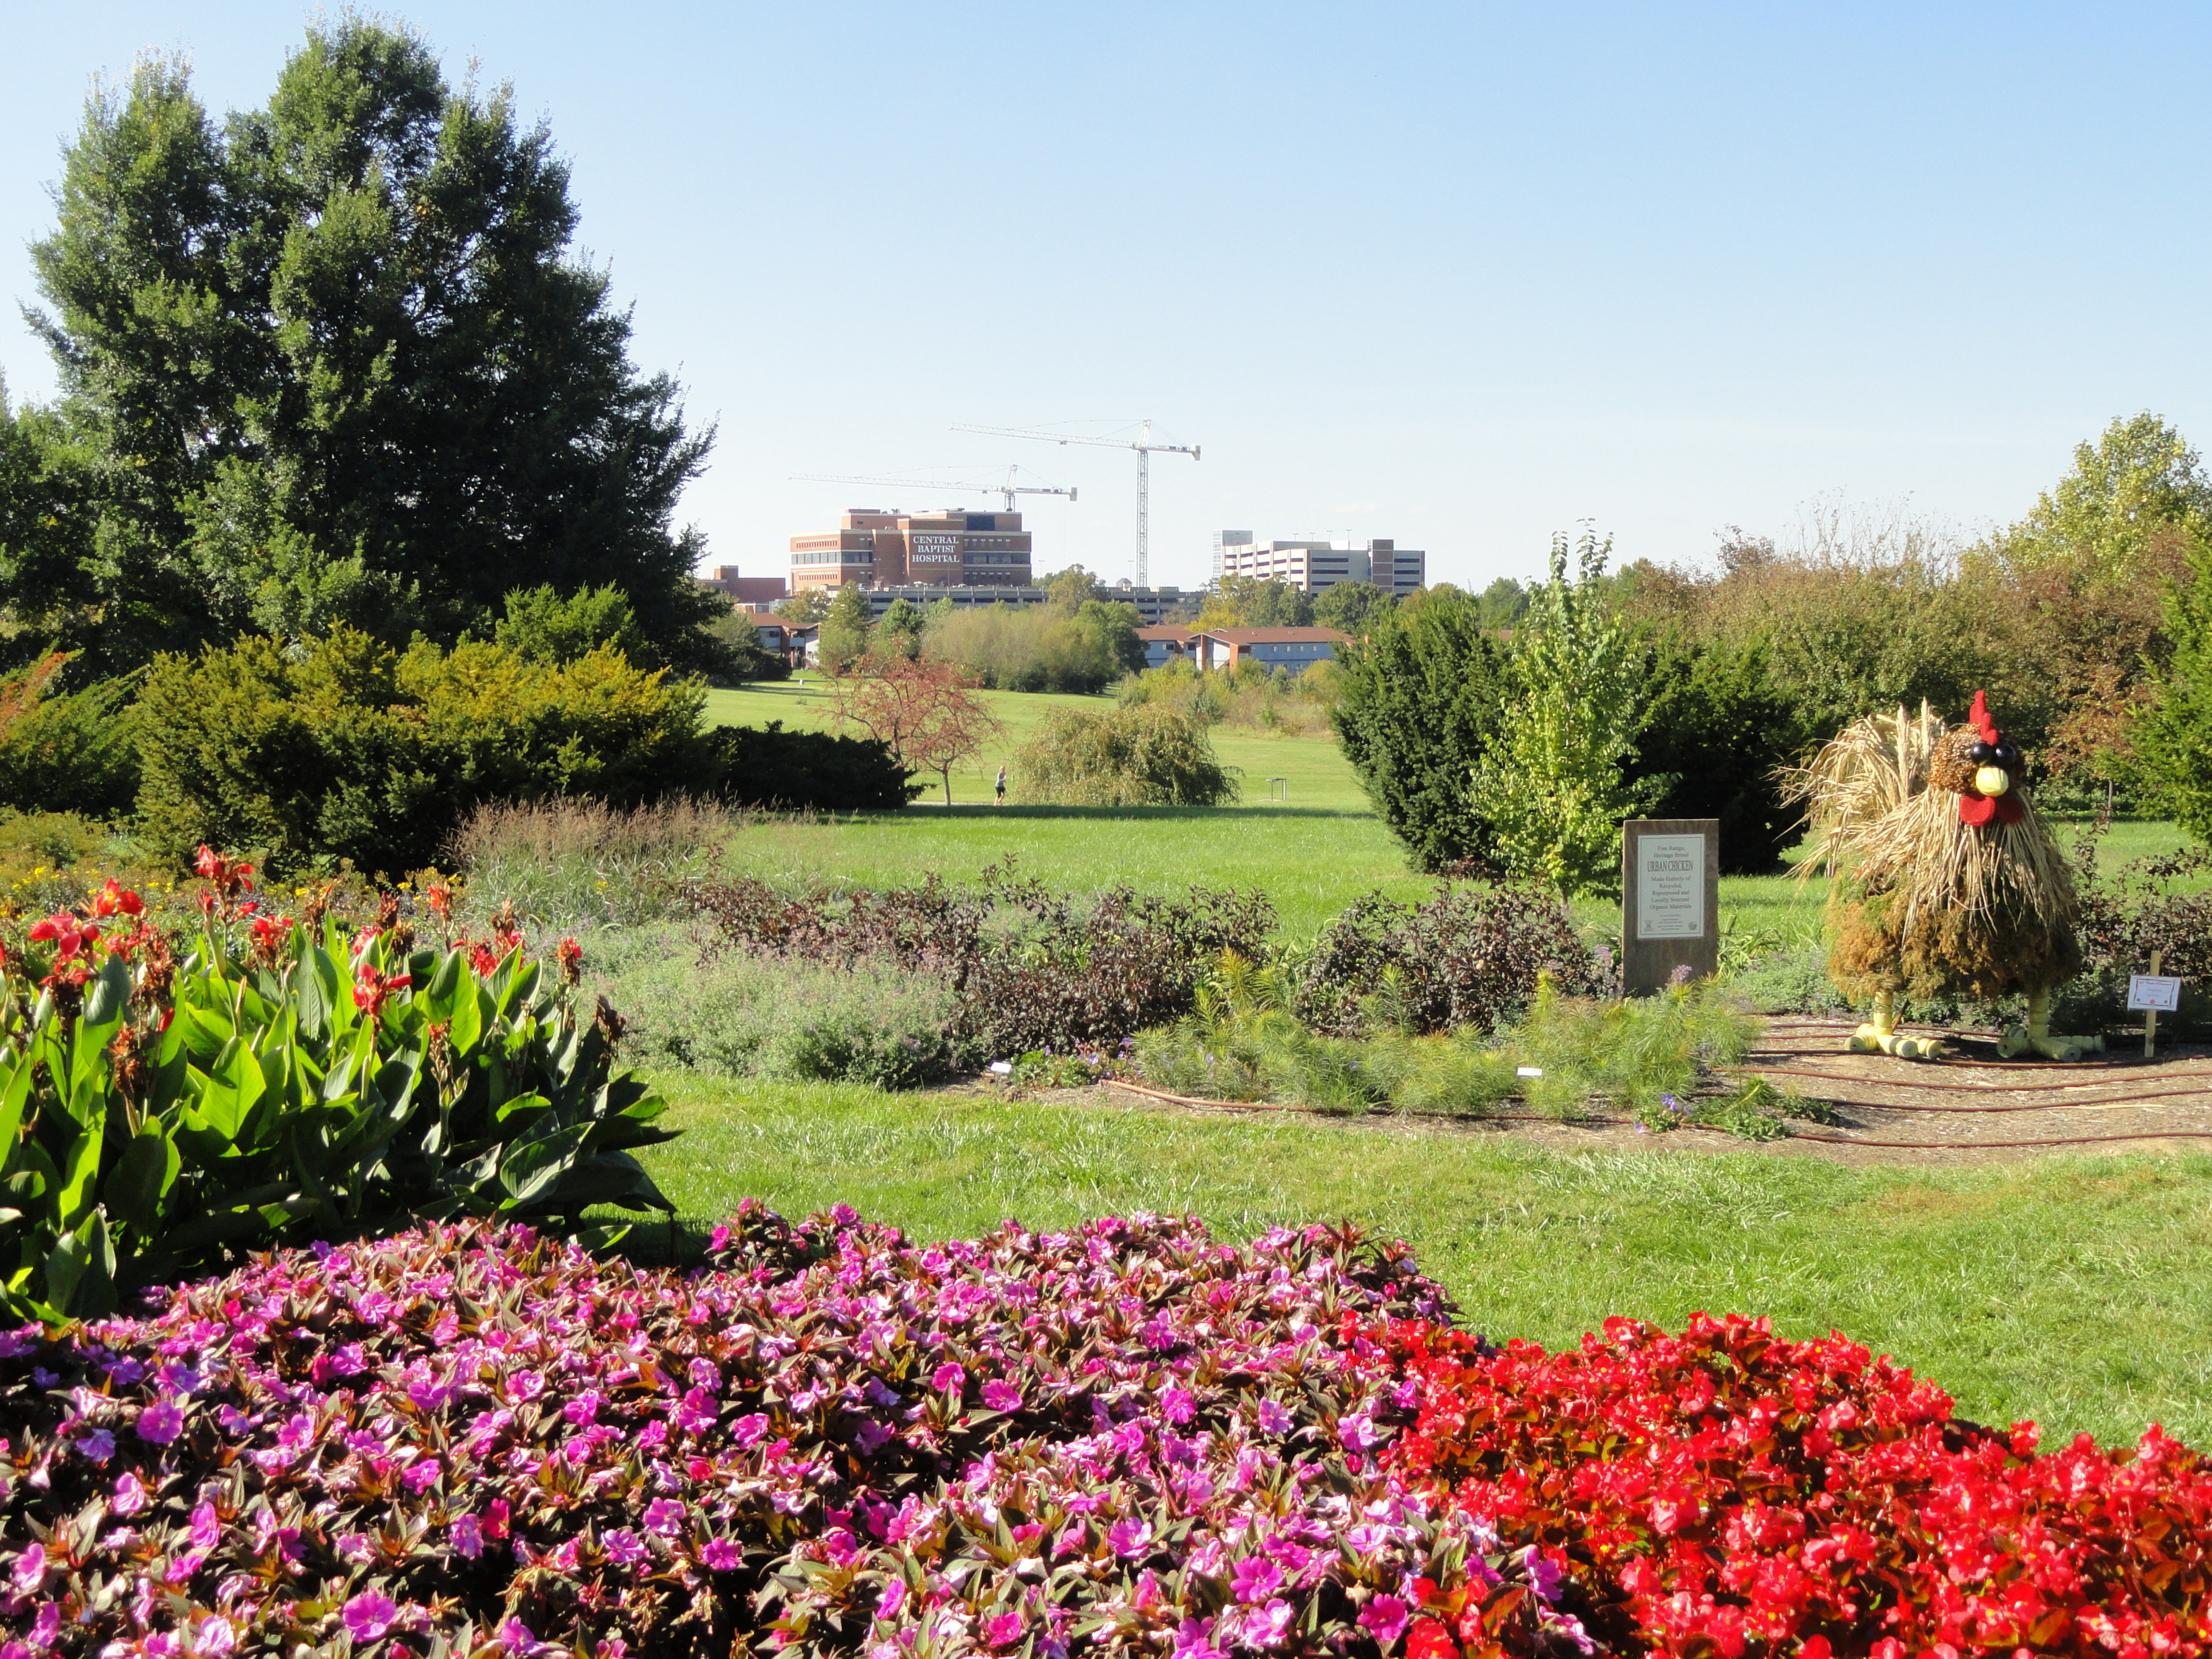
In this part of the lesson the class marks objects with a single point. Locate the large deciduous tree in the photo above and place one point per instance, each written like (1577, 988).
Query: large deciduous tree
(331, 360)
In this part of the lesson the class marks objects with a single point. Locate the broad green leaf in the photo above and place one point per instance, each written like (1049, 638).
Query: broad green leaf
(442, 995)
(531, 1170)
(79, 1169)
(141, 1178)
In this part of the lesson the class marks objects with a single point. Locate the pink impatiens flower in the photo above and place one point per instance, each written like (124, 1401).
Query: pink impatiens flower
(1130, 1539)
(369, 1615)
(948, 1378)
(721, 1555)
(1002, 1396)
(468, 1536)
(161, 1423)
(1385, 1618)
(664, 1515)
(625, 1548)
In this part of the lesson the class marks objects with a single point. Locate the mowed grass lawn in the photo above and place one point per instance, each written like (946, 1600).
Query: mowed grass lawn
(1313, 854)
(2073, 1291)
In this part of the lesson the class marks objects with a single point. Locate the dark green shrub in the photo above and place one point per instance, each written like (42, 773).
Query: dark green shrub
(1418, 704)
(74, 753)
(1718, 727)
(767, 766)
(2173, 736)
(543, 624)
(353, 750)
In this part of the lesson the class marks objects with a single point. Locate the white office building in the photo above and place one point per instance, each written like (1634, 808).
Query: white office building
(1313, 566)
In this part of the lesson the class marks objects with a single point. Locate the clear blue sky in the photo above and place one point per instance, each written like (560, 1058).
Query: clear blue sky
(1460, 275)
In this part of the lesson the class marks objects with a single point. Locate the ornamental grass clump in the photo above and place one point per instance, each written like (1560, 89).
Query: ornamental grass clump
(1126, 1438)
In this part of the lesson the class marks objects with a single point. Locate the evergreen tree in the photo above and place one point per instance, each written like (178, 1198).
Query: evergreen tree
(2173, 736)
(331, 360)
(1419, 703)
(1716, 728)
(902, 627)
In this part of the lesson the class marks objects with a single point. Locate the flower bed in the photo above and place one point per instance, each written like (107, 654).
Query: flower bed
(1128, 1438)
(1125, 1437)
(1722, 1492)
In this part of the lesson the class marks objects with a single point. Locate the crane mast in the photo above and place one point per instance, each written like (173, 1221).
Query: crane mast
(1145, 449)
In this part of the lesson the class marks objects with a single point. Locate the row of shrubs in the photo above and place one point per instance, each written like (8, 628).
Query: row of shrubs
(343, 749)
(1124, 1438)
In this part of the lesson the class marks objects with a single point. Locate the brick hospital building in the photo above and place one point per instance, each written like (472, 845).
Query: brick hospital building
(870, 548)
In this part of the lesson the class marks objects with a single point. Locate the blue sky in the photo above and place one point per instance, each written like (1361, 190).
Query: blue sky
(1457, 275)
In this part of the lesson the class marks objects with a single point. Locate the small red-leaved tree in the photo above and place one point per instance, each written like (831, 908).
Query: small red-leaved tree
(927, 714)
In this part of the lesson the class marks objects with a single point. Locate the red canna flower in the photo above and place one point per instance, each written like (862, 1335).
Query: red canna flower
(372, 989)
(114, 899)
(440, 899)
(68, 935)
(570, 956)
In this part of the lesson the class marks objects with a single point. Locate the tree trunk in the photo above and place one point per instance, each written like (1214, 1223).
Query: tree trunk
(945, 772)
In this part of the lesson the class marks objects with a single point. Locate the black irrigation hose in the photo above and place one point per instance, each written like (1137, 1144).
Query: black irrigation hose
(2018, 1106)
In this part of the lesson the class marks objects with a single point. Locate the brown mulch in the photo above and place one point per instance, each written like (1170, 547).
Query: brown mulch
(1969, 1108)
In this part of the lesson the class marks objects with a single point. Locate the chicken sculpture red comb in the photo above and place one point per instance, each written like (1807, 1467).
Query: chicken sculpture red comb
(1995, 760)
(1978, 718)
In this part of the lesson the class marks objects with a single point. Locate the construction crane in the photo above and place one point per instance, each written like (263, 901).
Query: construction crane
(1145, 449)
(1009, 489)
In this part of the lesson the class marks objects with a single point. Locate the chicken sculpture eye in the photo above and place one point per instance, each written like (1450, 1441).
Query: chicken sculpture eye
(1982, 754)
(2007, 754)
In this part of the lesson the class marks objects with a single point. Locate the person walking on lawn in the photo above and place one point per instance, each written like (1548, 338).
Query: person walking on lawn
(1002, 786)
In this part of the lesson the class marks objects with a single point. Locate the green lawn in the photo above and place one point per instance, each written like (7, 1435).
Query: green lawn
(2072, 1292)
(1313, 854)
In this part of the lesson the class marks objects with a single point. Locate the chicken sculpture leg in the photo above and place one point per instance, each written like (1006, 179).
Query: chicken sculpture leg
(1943, 881)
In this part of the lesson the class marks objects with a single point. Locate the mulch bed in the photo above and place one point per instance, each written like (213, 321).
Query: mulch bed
(1970, 1107)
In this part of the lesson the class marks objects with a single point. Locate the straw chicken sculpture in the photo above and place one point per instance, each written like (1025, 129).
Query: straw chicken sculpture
(1943, 880)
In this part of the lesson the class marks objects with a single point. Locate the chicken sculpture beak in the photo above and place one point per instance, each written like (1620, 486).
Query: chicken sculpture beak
(1992, 780)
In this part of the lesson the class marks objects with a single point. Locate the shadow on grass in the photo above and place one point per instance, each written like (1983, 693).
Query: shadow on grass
(926, 810)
